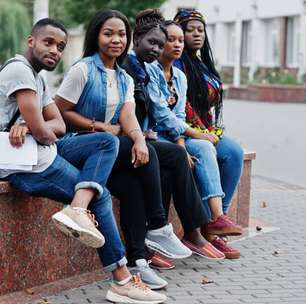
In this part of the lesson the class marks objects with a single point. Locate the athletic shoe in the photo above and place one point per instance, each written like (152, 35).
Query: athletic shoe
(222, 226)
(135, 291)
(158, 261)
(80, 224)
(207, 251)
(229, 252)
(164, 241)
(148, 276)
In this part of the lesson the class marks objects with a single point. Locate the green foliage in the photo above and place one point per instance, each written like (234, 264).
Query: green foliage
(15, 27)
(75, 12)
(275, 76)
(226, 74)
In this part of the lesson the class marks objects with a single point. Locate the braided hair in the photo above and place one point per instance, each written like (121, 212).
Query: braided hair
(148, 19)
(198, 94)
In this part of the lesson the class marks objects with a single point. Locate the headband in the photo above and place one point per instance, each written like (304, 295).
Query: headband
(187, 15)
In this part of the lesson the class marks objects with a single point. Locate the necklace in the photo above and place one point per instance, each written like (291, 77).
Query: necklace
(111, 79)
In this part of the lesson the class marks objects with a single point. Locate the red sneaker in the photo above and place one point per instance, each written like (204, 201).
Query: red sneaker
(207, 251)
(158, 261)
(223, 226)
(229, 252)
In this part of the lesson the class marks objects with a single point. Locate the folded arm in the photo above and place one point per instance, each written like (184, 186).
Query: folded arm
(45, 126)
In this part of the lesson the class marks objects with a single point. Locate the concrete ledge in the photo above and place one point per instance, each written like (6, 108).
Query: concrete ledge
(270, 93)
(33, 252)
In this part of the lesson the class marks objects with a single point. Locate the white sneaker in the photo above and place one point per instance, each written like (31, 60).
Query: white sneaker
(164, 241)
(80, 224)
(148, 276)
(135, 291)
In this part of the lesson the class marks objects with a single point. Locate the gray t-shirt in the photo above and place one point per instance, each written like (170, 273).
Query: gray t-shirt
(17, 76)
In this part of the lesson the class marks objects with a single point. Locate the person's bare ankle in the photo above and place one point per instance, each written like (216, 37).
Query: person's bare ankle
(195, 237)
(121, 273)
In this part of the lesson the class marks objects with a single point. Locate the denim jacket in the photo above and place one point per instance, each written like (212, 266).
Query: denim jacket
(93, 100)
(168, 123)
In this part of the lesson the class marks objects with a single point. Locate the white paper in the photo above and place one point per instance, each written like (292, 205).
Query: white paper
(16, 167)
(21, 158)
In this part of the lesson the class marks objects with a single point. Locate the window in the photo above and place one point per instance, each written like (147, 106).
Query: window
(293, 39)
(272, 42)
(230, 45)
(246, 44)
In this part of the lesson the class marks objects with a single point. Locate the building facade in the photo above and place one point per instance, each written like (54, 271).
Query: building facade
(253, 37)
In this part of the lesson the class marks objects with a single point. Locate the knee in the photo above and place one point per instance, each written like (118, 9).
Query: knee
(204, 149)
(108, 140)
(152, 154)
(180, 153)
(231, 150)
(236, 153)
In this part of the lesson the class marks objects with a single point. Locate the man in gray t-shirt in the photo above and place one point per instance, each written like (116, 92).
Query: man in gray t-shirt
(16, 76)
(72, 169)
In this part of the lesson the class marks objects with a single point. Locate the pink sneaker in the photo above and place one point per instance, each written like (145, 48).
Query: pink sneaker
(157, 261)
(229, 252)
(207, 251)
(223, 226)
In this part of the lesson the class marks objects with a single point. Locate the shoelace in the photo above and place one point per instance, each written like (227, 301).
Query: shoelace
(89, 214)
(137, 282)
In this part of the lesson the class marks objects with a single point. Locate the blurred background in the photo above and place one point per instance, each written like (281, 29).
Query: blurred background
(259, 48)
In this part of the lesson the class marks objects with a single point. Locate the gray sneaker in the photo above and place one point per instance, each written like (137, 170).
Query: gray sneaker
(164, 241)
(148, 276)
(80, 224)
(135, 291)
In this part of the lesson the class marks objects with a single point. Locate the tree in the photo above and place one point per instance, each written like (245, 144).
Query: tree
(15, 26)
(75, 12)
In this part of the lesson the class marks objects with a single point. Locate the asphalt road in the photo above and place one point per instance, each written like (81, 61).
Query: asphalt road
(277, 132)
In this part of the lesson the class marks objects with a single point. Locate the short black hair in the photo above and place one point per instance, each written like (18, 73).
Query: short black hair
(47, 21)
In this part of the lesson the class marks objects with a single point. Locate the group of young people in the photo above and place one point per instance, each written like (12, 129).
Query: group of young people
(143, 125)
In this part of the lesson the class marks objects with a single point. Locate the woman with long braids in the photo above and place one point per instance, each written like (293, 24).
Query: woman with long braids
(204, 114)
(149, 39)
(168, 86)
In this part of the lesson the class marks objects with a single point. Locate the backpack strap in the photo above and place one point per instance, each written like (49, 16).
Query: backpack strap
(17, 113)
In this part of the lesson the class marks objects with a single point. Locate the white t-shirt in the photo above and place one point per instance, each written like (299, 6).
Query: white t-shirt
(14, 77)
(74, 82)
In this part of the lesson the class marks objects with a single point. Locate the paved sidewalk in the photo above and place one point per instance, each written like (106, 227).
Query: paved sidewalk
(272, 268)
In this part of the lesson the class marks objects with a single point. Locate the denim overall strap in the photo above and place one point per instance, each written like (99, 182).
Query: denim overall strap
(93, 101)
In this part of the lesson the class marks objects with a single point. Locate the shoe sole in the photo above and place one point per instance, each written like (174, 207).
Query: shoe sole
(204, 256)
(73, 230)
(162, 268)
(113, 297)
(225, 232)
(156, 247)
(155, 287)
(232, 255)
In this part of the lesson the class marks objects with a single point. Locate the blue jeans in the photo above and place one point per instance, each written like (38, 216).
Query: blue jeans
(218, 169)
(82, 162)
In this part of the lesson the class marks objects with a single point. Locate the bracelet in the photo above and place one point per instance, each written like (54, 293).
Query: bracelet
(134, 130)
(92, 126)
